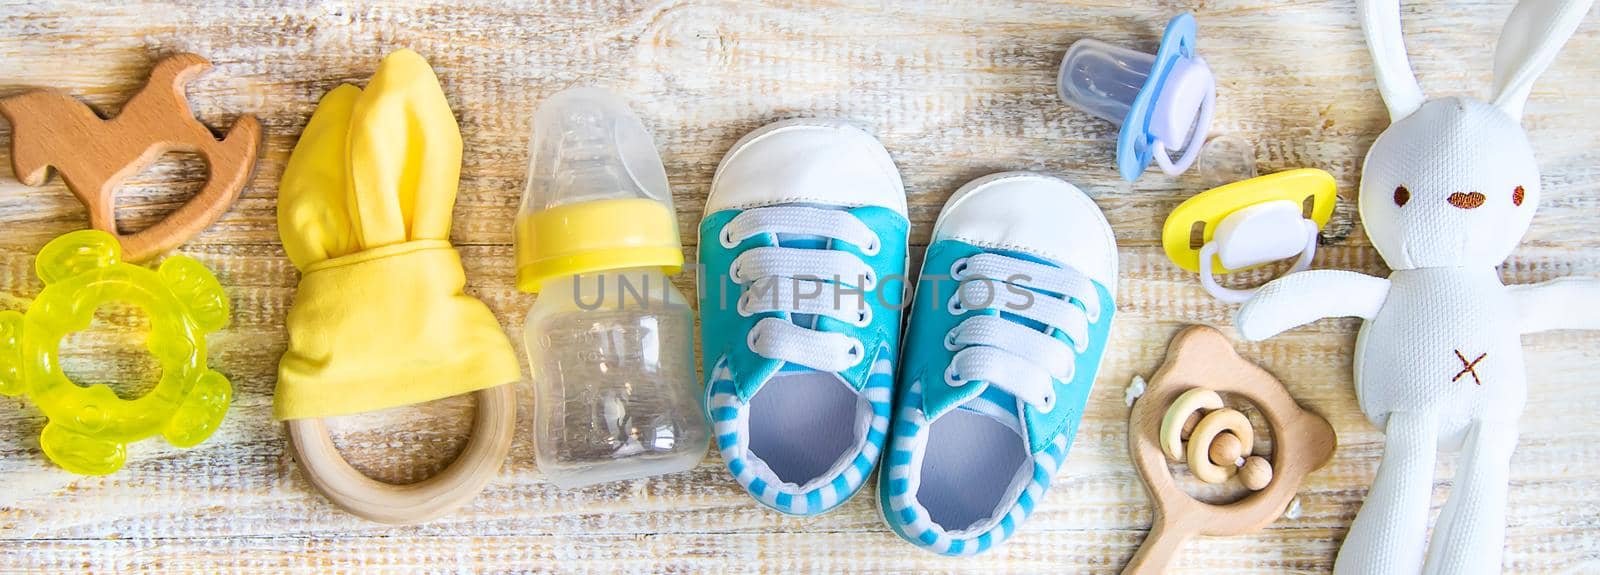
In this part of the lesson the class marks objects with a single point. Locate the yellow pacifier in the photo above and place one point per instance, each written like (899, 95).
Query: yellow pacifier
(90, 427)
(1249, 223)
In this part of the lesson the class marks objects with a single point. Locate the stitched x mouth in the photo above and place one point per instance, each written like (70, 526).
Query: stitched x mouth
(1469, 367)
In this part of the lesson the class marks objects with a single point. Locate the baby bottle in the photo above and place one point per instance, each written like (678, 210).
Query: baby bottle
(1160, 101)
(610, 341)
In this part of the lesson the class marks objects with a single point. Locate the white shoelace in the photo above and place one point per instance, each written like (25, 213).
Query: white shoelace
(1008, 355)
(774, 277)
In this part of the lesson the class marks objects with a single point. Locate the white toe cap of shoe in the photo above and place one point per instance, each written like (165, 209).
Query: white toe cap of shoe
(826, 162)
(1034, 214)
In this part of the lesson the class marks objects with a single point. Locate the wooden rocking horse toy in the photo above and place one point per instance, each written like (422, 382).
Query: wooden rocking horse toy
(94, 156)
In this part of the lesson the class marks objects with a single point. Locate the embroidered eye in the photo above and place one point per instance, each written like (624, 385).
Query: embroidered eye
(1516, 196)
(1401, 195)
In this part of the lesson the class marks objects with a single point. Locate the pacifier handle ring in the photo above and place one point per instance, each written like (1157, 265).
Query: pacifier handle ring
(1230, 295)
(493, 428)
(1197, 139)
(1221, 293)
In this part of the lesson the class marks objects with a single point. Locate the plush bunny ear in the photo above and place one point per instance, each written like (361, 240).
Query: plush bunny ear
(313, 195)
(1380, 21)
(1528, 44)
(405, 155)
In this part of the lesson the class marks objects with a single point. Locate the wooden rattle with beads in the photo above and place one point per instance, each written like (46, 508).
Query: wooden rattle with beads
(1181, 416)
(1216, 441)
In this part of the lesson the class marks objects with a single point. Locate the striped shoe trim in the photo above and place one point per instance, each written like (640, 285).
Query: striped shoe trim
(902, 474)
(730, 422)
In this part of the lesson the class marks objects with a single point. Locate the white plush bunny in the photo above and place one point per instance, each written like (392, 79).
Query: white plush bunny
(1446, 194)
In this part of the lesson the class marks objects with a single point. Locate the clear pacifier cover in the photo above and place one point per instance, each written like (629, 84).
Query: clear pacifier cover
(1103, 79)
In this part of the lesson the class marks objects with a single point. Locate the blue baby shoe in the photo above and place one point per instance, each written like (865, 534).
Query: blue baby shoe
(803, 254)
(1008, 326)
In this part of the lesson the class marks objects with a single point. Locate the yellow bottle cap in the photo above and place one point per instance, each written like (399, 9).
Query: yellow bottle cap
(596, 236)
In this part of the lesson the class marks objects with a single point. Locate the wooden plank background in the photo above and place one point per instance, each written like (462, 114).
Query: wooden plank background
(954, 89)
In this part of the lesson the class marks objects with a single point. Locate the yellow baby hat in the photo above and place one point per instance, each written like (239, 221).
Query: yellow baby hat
(364, 209)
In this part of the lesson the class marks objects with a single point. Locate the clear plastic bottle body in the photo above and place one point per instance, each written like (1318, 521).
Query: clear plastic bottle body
(616, 395)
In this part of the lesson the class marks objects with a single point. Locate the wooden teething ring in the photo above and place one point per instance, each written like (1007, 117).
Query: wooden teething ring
(492, 430)
(1194, 400)
(1212, 425)
(1302, 442)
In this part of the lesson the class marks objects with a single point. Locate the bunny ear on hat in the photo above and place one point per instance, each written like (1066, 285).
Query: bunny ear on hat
(1532, 37)
(374, 167)
(313, 194)
(406, 148)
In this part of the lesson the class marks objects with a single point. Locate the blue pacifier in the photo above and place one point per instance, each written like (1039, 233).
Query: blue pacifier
(1158, 100)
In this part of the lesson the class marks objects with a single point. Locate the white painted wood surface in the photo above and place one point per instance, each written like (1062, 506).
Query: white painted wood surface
(954, 89)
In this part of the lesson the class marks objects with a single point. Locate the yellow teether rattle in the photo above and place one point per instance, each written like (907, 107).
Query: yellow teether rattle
(90, 427)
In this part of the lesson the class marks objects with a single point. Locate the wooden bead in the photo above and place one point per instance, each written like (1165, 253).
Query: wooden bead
(1188, 425)
(1225, 449)
(1256, 473)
